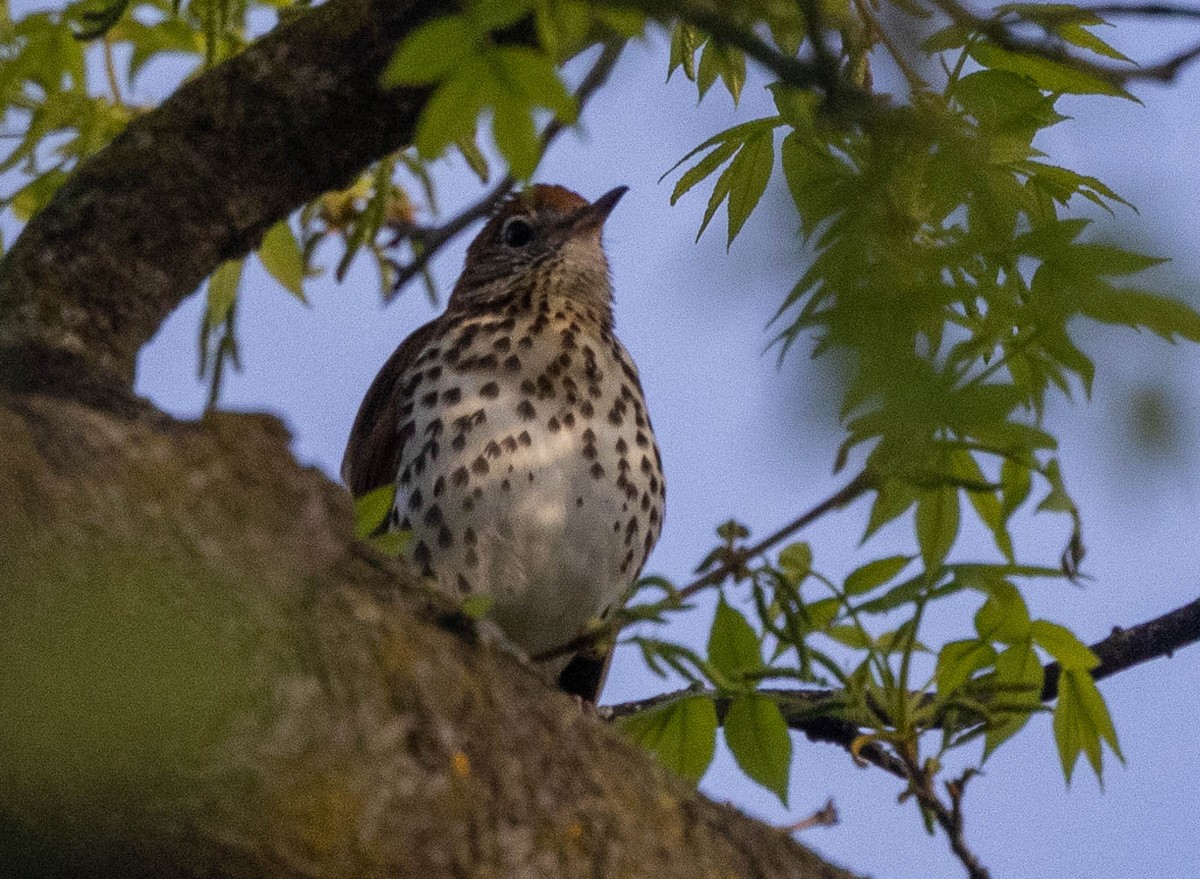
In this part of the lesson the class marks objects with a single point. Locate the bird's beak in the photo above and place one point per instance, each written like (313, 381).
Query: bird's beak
(593, 216)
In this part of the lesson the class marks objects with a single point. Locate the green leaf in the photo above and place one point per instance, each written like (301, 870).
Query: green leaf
(1082, 723)
(280, 255)
(493, 15)
(391, 543)
(1061, 643)
(683, 734)
(532, 75)
(749, 174)
(850, 636)
(758, 737)
(477, 606)
(988, 507)
(734, 648)
(1004, 616)
(937, 525)
(874, 574)
(222, 291)
(1021, 676)
(704, 168)
(516, 137)
(451, 112)
(371, 510)
(1016, 482)
(1048, 74)
(431, 52)
(796, 562)
(959, 660)
(894, 498)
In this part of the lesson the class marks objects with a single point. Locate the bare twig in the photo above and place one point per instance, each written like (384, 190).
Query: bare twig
(430, 241)
(826, 816)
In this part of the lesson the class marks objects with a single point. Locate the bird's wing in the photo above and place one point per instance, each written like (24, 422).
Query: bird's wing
(373, 451)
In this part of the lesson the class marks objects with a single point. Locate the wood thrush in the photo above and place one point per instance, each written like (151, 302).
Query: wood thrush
(516, 433)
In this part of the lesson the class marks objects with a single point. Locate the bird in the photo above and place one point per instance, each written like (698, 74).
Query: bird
(516, 433)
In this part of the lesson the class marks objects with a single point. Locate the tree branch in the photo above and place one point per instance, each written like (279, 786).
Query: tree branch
(231, 152)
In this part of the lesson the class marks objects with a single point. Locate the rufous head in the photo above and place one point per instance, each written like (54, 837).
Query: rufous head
(543, 235)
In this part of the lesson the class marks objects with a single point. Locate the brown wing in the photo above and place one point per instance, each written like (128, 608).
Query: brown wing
(373, 451)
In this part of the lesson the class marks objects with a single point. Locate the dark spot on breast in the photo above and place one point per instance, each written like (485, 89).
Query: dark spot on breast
(647, 467)
(445, 538)
(439, 486)
(594, 390)
(502, 344)
(568, 420)
(480, 465)
(524, 438)
(586, 409)
(614, 418)
(526, 411)
(492, 449)
(545, 388)
(452, 396)
(648, 543)
(552, 425)
(631, 529)
(654, 515)
(469, 537)
(579, 502)
(433, 516)
(471, 557)
(415, 500)
(477, 492)
(430, 399)
(597, 470)
(460, 477)
(505, 484)
(406, 476)
(434, 428)
(512, 363)
(623, 465)
(525, 342)
(509, 443)
(507, 325)
(468, 504)
(528, 387)
(622, 447)
(422, 555)
(530, 475)
(459, 442)
(463, 584)
(627, 561)
(405, 524)
(406, 410)
(490, 391)
(641, 440)
(568, 339)
(589, 452)
(645, 501)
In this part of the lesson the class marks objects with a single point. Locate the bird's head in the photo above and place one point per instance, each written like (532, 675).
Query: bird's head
(544, 237)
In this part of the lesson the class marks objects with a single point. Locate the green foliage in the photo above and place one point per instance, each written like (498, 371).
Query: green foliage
(471, 73)
(681, 734)
(944, 269)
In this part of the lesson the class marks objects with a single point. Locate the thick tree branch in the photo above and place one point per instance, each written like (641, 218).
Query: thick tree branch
(298, 113)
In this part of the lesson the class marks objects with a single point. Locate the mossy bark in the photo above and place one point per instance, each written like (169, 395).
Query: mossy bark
(203, 673)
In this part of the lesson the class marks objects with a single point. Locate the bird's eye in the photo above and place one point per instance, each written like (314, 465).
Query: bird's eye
(517, 232)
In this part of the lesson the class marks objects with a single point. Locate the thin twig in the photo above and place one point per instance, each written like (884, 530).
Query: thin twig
(916, 83)
(826, 816)
(110, 71)
(433, 240)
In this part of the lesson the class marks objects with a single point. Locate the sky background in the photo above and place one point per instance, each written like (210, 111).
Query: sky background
(744, 438)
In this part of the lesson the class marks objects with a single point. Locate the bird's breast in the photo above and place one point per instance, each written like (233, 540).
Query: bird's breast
(530, 471)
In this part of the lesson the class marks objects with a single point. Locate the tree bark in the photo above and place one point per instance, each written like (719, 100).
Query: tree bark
(204, 674)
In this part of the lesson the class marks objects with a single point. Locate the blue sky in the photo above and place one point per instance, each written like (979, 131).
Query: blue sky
(743, 438)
